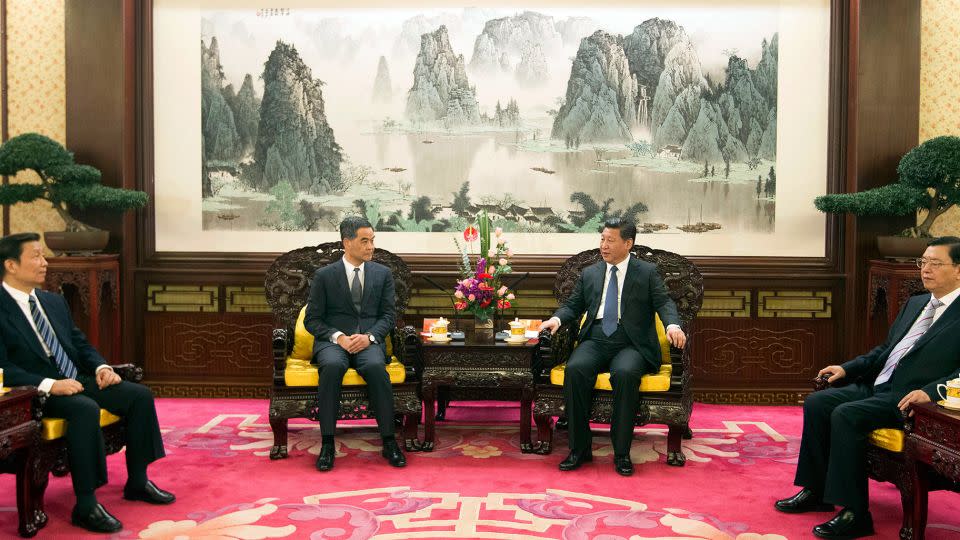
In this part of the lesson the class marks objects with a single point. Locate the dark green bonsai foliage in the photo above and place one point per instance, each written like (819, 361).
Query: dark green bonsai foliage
(64, 183)
(929, 180)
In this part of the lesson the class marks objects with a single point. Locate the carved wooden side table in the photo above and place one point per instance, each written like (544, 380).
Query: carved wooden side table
(891, 283)
(19, 438)
(95, 278)
(933, 457)
(477, 363)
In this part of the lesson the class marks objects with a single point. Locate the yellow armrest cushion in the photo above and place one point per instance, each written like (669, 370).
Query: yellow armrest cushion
(54, 428)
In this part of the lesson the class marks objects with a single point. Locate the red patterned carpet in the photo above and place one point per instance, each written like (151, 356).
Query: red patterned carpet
(476, 484)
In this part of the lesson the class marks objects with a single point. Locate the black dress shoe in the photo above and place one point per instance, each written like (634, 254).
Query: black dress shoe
(575, 459)
(623, 465)
(325, 459)
(97, 520)
(149, 493)
(806, 500)
(846, 524)
(391, 451)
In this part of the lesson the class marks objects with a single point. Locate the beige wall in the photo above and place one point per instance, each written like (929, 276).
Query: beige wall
(37, 94)
(940, 83)
(37, 89)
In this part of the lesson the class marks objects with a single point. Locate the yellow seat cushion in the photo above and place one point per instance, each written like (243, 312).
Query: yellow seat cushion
(303, 373)
(300, 372)
(54, 428)
(887, 438)
(655, 382)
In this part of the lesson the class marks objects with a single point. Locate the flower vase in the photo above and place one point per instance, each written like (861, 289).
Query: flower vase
(483, 328)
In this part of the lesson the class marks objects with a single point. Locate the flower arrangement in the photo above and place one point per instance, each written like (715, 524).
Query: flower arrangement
(480, 290)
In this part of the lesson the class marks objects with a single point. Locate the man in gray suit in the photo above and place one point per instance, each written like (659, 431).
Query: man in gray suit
(619, 296)
(350, 312)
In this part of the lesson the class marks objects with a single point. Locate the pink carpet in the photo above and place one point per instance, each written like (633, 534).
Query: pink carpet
(477, 484)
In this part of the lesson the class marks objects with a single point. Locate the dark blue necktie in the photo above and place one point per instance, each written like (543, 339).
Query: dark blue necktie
(610, 312)
(356, 291)
(64, 364)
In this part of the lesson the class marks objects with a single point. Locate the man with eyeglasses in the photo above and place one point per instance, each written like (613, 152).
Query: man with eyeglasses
(922, 349)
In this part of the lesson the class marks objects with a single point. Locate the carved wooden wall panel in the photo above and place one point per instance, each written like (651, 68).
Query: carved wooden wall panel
(195, 347)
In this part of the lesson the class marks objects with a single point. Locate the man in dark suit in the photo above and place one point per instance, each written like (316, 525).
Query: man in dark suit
(922, 349)
(619, 296)
(350, 312)
(41, 346)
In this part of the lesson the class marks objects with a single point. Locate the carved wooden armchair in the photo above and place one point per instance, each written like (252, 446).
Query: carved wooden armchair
(294, 389)
(665, 397)
(51, 452)
(886, 462)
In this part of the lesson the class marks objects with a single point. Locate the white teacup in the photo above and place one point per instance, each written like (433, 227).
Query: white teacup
(952, 390)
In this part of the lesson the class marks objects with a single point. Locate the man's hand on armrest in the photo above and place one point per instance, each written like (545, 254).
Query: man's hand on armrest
(832, 373)
(675, 336)
(913, 398)
(552, 324)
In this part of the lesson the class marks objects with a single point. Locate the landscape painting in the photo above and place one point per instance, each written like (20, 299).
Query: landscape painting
(549, 119)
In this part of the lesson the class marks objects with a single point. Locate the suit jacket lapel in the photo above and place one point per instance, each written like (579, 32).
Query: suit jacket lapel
(631, 279)
(912, 314)
(601, 270)
(19, 321)
(949, 316)
(341, 281)
(369, 278)
(56, 317)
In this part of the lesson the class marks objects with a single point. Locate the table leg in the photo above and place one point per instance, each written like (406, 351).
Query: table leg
(526, 404)
(429, 418)
(921, 488)
(25, 502)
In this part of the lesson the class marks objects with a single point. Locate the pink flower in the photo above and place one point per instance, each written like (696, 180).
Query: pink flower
(502, 291)
(503, 262)
(491, 253)
(498, 231)
(470, 234)
(509, 253)
(501, 241)
(511, 297)
(490, 270)
(472, 297)
(458, 294)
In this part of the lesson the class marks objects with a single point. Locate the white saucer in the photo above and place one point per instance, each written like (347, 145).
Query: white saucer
(437, 339)
(943, 403)
(517, 339)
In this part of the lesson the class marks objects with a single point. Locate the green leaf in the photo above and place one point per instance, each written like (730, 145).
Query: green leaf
(890, 200)
(32, 151)
(18, 193)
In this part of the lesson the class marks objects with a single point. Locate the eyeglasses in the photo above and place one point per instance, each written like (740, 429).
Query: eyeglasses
(933, 264)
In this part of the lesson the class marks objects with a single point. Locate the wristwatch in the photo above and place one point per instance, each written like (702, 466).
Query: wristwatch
(372, 339)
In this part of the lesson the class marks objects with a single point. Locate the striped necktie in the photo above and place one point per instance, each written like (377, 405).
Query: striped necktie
(64, 364)
(919, 328)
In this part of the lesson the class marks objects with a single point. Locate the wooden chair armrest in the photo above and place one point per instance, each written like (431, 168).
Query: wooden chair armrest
(282, 345)
(407, 348)
(129, 372)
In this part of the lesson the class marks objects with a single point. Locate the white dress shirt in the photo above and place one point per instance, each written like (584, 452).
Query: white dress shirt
(349, 267)
(23, 300)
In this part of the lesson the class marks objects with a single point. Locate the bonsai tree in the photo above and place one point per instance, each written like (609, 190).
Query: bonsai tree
(929, 180)
(64, 183)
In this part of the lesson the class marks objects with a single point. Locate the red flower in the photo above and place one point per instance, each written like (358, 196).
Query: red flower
(460, 306)
(484, 276)
(470, 234)
(503, 304)
(485, 287)
(485, 303)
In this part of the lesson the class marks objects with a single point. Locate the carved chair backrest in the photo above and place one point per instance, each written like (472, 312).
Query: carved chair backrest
(682, 278)
(288, 279)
